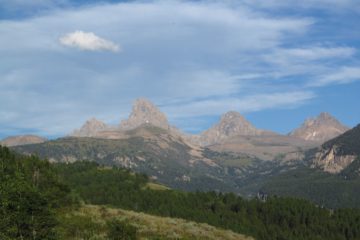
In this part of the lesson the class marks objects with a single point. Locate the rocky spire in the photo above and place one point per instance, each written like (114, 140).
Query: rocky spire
(145, 112)
(90, 128)
(320, 129)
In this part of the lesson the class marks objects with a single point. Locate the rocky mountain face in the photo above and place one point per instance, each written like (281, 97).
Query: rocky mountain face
(22, 140)
(231, 124)
(322, 128)
(90, 129)
(233, 133)
(145, 112)
(338, 153)
(165, 157)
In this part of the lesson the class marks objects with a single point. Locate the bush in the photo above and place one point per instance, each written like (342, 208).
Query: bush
(119, 230)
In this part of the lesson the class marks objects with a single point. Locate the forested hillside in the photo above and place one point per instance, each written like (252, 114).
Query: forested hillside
(39, 201)
(322, 188)
(30, 194)
(275, 218)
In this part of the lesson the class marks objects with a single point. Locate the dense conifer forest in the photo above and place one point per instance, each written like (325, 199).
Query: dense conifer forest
(36, 195)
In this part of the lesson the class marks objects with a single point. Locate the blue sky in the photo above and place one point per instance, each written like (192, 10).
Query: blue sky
(277, 63)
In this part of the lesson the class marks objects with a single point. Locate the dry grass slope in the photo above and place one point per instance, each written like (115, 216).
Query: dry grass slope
(154, 227)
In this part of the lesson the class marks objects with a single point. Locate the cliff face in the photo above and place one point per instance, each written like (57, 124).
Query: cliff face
(338, 153)
(331, 160)
(320, 129)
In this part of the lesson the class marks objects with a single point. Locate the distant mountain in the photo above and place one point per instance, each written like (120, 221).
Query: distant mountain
(322, 128)
(338, 153)
(90, 129)
(22, 140)
(149, 149)
(145, 112)
(230, 124)
(164, 156)
(233, 133)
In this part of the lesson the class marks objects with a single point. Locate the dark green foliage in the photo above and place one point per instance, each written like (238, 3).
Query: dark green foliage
(29, 193)
(352, 172)
(119, 230)
(276, 218)
(324, 189)
(77, 227)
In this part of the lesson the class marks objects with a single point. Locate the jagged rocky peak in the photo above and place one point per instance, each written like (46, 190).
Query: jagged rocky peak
(90, 128)
(145, 112)
(320, 129)
(22, 140)
(231, 124)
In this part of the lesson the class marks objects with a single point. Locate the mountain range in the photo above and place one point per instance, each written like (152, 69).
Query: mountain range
(231, 156)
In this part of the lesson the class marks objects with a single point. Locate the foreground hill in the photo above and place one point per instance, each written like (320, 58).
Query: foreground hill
(94, 221)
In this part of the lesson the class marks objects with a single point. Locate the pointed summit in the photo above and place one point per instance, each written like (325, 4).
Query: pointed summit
(145, 112)
(320, 129)
(230, 124)
(90, 128)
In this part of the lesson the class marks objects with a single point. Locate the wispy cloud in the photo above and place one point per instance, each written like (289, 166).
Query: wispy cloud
(246, 104)
(333, 5)
(88, 41)
(312, 53)
(341, 76)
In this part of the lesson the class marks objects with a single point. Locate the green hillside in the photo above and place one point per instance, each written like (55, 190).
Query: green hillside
(46, 201)
(325, 189)
(276, 218)
(98, 222)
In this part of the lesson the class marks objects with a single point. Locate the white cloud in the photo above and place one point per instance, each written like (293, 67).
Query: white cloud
(88, 41)
(308, 62)
(341, 76)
